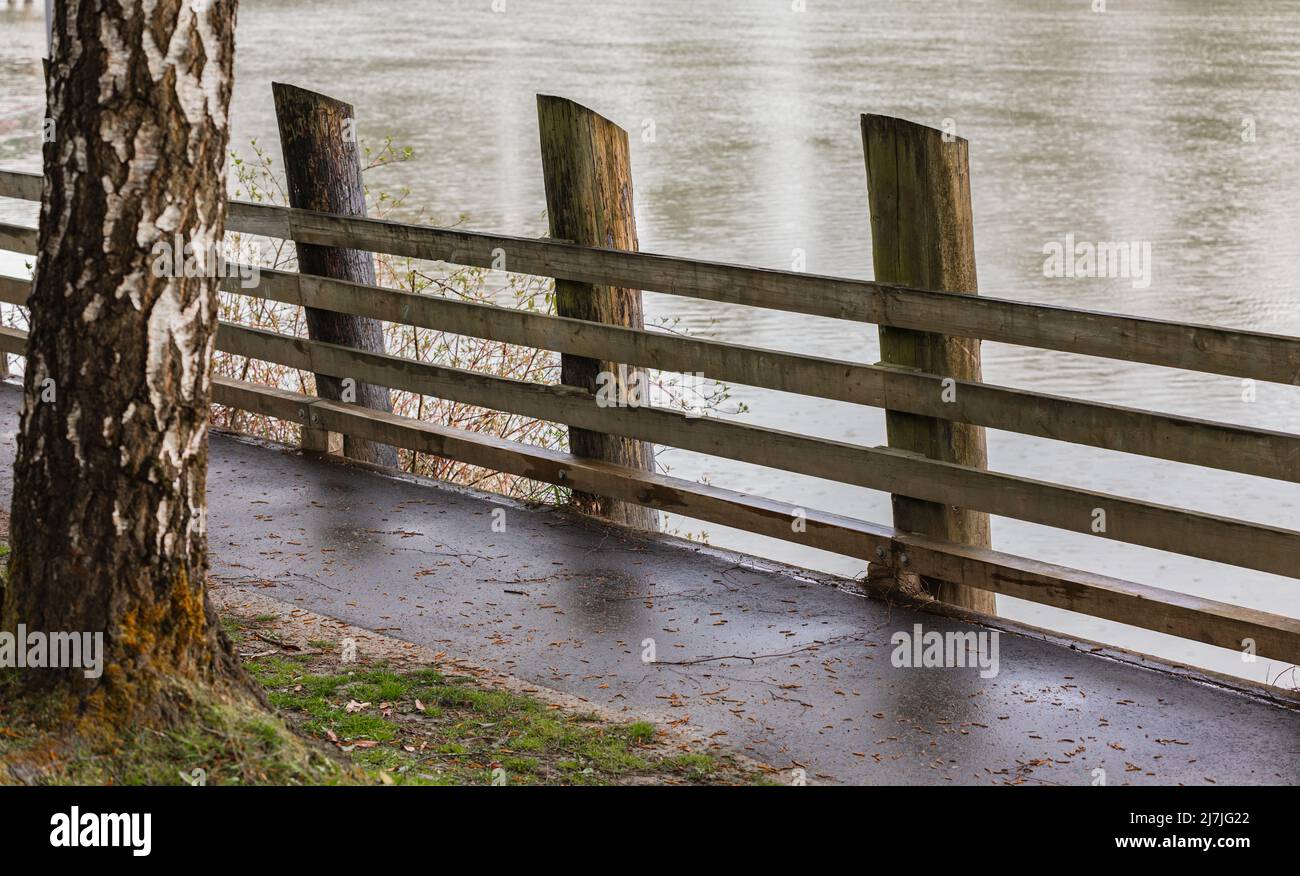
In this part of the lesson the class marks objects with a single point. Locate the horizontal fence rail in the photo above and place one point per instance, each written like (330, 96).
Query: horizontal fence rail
(1165, 436)
(1097, 595)
(1222, 539)
(1257, 355)
(1224, 446)
(1191, 533)
(1245, 354)
(1178, 614)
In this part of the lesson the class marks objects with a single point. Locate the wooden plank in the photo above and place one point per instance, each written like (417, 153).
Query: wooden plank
(269, 401)
(21, 185)
(260, 220)
(1177, 345)
(18, 238)
(1211, 537)
(15, 290)
(1223, 446)
(923, 234)
(1189, 346)
(13, 341)
(587, 172)
(1165, 611)
(1262, 452)
(1178, 614)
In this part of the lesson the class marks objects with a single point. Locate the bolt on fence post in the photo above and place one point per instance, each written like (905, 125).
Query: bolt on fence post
(922, 234)
(588, 176)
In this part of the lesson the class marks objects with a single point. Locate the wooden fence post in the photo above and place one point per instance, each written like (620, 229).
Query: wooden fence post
(322, 164)
(918, 182)
(588, 177)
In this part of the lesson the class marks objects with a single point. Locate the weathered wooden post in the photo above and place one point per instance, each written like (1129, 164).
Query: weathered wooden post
(588, 178)
(918, 182)
(322, 164)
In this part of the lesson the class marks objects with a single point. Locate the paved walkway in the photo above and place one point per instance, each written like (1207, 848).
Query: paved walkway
(790, 670)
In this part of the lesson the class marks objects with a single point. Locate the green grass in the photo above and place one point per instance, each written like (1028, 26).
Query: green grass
(235, 628)
(365, 723)
(220, 742)
(421, 727)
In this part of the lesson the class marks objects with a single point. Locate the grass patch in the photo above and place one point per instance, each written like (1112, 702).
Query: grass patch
(418, 726)
(221, 740)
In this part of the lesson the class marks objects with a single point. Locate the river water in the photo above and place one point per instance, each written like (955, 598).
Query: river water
(1170, 122)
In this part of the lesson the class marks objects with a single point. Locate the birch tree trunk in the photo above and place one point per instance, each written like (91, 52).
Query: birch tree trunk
(108, 516)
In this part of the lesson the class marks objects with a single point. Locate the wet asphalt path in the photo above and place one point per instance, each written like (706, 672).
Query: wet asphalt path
(792, 671)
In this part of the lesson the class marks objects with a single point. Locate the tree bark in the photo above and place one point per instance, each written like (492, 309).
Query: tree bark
(323, 169)
(109, 512)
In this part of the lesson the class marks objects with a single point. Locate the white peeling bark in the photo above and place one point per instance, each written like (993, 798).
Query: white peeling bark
(108, 512)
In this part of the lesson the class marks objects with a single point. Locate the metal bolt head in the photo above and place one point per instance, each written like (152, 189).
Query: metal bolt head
(904, 559)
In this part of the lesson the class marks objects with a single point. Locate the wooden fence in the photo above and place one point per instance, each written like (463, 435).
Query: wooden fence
(1245, 354)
